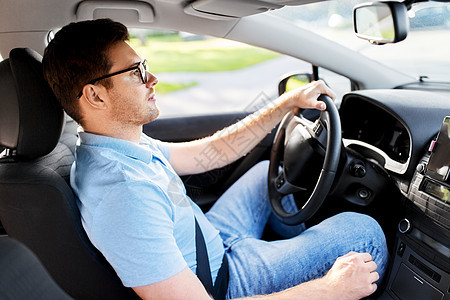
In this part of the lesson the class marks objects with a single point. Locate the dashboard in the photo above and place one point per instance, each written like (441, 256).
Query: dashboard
(377, 134)
(393, 127)
(379, 129)
(408, 134)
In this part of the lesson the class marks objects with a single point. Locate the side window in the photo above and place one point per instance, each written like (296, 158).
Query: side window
(204, 75)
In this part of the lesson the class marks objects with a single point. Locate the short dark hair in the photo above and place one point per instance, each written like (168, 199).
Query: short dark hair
(77, 54)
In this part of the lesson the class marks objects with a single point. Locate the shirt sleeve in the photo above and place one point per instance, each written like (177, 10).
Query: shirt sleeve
(133, 228)
(160, 145)
(164, 148)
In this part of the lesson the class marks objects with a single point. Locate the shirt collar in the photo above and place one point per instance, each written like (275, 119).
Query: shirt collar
(142, 151)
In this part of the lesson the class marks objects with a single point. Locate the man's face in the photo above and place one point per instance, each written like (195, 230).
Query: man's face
(130, 101)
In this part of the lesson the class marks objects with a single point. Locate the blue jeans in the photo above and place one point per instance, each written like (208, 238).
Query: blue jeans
(259, 267)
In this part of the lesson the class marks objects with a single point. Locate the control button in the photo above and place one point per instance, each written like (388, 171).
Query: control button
(280, 182)
(421, 168)
(358, 169)
(401, 249)
(404, 226)
(317, 129)
(363, 193)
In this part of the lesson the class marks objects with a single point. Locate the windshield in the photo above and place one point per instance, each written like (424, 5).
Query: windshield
(423, 54)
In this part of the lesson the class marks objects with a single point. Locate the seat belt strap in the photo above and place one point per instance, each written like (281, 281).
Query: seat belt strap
(220, 288)
(203, 268)
(221, 284)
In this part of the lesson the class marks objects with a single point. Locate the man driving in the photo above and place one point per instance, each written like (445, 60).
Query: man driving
(135, 209)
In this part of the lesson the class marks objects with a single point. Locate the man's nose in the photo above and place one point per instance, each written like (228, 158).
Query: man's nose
(152, 80)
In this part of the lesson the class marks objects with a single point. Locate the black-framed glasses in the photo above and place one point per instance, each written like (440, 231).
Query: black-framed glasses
(142, 68)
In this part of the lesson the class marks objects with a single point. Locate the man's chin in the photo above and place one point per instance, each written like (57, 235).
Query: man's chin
(153, 115)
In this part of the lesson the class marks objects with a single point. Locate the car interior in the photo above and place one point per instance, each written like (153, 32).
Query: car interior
(384, 145)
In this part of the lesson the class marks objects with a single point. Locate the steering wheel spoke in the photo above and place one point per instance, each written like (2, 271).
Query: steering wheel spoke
(320, 133)
(316, 129)
(284, 187)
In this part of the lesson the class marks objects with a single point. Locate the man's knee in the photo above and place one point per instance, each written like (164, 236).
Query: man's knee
(259, 171)
(360, 222)
(262, 166)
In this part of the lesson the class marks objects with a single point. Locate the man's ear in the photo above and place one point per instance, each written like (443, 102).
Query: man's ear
(94, 96)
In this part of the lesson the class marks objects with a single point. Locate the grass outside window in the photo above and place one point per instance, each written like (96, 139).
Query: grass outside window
(170, 53)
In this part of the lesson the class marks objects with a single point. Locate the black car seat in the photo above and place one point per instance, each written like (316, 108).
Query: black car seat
(22, 275)
(37, 205)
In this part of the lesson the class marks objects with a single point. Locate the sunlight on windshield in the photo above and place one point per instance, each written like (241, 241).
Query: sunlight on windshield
(423, 53)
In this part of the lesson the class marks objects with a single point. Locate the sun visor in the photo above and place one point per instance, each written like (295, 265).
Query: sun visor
(131, 13)
(227, 10)
(234, 9)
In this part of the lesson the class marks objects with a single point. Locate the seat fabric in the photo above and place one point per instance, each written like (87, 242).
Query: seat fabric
(22, 276)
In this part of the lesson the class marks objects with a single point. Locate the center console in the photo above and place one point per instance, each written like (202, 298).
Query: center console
(421, 261)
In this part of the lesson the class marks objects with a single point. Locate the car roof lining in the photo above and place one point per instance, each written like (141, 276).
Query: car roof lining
(25, 15)
(31, 30)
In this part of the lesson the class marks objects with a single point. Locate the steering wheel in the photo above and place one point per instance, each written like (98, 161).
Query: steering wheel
(304, 147)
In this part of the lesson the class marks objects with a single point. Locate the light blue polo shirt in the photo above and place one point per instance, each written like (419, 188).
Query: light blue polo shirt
(135, 210)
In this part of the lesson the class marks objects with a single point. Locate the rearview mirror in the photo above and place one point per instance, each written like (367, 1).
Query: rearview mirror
(381, 22)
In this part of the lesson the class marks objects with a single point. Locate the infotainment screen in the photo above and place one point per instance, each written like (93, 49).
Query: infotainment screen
(439, 163)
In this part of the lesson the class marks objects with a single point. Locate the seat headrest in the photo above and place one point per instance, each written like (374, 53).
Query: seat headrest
(31, 118)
